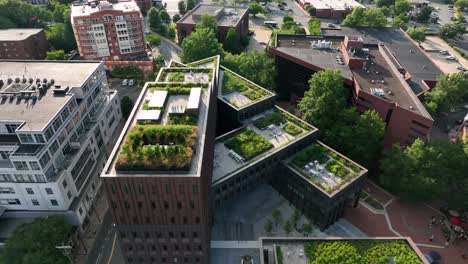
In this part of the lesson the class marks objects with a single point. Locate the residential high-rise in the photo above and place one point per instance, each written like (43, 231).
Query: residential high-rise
(23, 44)
(56, 121)
(109, 31)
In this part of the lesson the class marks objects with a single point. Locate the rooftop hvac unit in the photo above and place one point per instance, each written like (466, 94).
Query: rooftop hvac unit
(378, 92)
(44, 80)
(17, 80)
(31, 80)
(24, 80)
(10, 80)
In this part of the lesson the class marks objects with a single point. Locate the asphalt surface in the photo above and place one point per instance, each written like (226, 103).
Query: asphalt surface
(102, 238)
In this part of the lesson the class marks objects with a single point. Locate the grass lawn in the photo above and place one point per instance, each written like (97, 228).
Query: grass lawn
(292, 129)
(248, 144)
(275, 118)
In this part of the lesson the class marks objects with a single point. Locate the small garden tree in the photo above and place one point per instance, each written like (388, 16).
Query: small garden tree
(126, 105)
(268, 226)
(199, 45)
(314, 26)
(165, 17)
(424, 14)
(452, 30)
(182, 7)
(176, 18)
(296, 216)
(208, 21)
(153, 39)
(276, 216)
(417, 33)
(232, 42)
(255, 8)
(307, 229)
(287, 227)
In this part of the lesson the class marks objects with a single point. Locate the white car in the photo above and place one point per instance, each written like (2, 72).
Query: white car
(450, 58)
(124, 82)
(131, 82)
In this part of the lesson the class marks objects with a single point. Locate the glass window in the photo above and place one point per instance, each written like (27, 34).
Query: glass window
(34, 165)
(45, 159)
(64, 184)
(39, 138)
(49, 133)
(57, 123)
(26, 138)
(7, 190)
(29, 191)
(49, 191)
(6, 178)
(40, 178)
(11, 128)
(54, 147)
(21, 165)
(35, 202)
(69, 195)
(54, 202)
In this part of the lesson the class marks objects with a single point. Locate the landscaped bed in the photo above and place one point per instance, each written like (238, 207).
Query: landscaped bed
(178, 74)
(360, 252)
(156, 148)
(248, 144)
(182, 120)
(233, 83)
(292, 129)
(275, 118)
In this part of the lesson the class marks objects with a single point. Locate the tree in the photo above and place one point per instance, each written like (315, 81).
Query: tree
(199, 45)
(314, 26)
(154, 19)
(371, 17)
(288, 18)
(452, 30)
(450, 90)
(126, 105)
(153, 39)
(268, 226)
(381, 3)
(190, 4)
(171, 32)
(265, 68)
(60, 37)
(402, 7)
(176, 18)
(287, 227)
(182, 7)
(325, 98)
(56, 55)
(35, 242)
(296, 216)
(20, 14)
(311, 10)
(417, 33)
(424, 14)
(208, 21)
(307, 228)
(232, 42)
(276, 216)
(399, 23)
(165, 17)
(255, 8)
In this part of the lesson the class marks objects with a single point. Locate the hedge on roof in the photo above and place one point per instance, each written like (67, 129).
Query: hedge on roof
(248, 144)
(155, 147)
(275, 118)
(292, 129)
(234, 83)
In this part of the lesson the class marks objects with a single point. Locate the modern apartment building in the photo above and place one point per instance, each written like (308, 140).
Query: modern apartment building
(227, 17)
(23, 44)
(384, 69)
(56, 120)
(109, 31)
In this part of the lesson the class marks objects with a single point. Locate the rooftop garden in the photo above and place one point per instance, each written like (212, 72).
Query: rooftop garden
(157, 148)
(360, 251)
(214, 60)
(181, 74)
(182, 120)
(290, 124)
(176, 64)
(179, 88)
(233, 83)
(343, 169)
(248, 144)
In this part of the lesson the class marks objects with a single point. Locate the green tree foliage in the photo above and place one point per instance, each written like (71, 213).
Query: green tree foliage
(60, 36)
(232, 42)
(314, 26)
(268, 226)
(176, 18)
(399, 23)
(290, 26)
(423, 172)
(126, 105)
(182, 7)
(452, 30)
(381, 3)
(191, 4)
(153, 39)
(325, 98)
(255, 66)
(311, 10)
(208, 21)
(424, 14)
(287, 227)
(165, 17)
(58, 10)
(126, 72)
(154, 19)
(417, 33)
(171, 32)
(56, 55)
(276, 214)
(255, 8)
(16, 13)
(307, 228)
(402, 7)
(371, 17)
(199, 45)
(35, 242)
(450, 90)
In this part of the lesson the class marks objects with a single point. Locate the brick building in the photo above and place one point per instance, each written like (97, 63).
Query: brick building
(385, 70)
(109, 31)
(227, 17)
(23, 44)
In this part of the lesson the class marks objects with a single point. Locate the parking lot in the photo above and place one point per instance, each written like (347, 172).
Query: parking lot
(126, 90)
(433, 46)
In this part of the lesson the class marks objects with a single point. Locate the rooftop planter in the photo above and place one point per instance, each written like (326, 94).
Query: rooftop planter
(248, 144)
(233, 83)
(177, 74)
(157, 148)
(214, 60)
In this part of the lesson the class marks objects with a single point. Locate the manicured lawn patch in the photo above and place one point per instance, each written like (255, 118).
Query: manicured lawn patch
(263, 122)
(292, 129)
(359, 252)
(155, 147)
(233, 83)
(182, 120)
(176, 77)
(315, 152)
(248, 144)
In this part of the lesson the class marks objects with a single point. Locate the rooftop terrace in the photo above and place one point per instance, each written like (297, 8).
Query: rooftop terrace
(91, 7)
(165, 132)
(259, 136)
(226, 16)
(325, 168)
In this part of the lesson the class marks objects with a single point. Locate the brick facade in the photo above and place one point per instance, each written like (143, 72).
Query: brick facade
(33, 47)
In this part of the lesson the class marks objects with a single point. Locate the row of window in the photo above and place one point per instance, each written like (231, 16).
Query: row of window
(141, 190)
(23, 165)
(4, 177)
(174, 247)
(163, 260)
(53, 202)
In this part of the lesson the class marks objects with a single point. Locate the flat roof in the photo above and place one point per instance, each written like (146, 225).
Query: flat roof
(194, 98)
(37, 114)
(226, 16)
(334, 4)
(225, 163)
(149, 115)
(157, 99)
(89, 8)
(17, 34)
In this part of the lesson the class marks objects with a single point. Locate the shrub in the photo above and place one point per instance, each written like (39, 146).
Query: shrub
(292, 129)
(273, 118)
(314, 26)
(153, 39)
(176, 77)
(248, 144)
(182, 120)
(315, 152)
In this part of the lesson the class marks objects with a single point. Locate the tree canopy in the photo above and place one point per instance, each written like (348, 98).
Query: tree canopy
(450, 90)
(165, 17)
(255, 66)
(126, 105)
(255, 8)
(371, 17)
(417, 33)
(452, 30)
(34, 243)
(199, 45)
(56, 55)
(402, 7)
(208, 21)
(232, 42)
(182, 7)
(20, 14)
(314, 26)
(424, 14)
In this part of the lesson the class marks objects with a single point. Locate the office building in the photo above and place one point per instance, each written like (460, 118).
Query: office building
(23, 44)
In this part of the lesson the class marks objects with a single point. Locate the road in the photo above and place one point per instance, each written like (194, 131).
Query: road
(169, 50)
(102, 237)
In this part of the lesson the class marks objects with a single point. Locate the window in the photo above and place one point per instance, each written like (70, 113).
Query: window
(179, 205)
(54, 202)
(9, 201)
(40, 178)
(49, 133)
(21, 165)
(45, 159)
(6, 178)
(64, 183)
(11, 128)
(69, 195)
(80, 210)
(35, 202)
(7, 190)
(29, 191)
(57, 123)
(26, 138)
(54, 147)
(197, 220)
(166, 205)
(192, 205)
(39, 138)
(49, 191)
(34, 165)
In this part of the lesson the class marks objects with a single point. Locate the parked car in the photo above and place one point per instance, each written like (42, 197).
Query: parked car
(444, 52)
(331, 25)
(124, 82)
(131, 82)
(461, 68)
(284, 3)
(451, 58)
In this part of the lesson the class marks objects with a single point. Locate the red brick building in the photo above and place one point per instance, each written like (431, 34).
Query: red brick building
(109, 31)
(227, 17)
(23, 44)
(385, 70)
